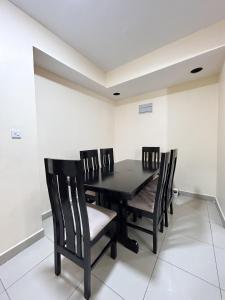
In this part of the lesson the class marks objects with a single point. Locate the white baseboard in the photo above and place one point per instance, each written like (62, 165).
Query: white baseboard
(222, 216)
(46, 214)
(198, 196)
(206, 197)
(11, 252)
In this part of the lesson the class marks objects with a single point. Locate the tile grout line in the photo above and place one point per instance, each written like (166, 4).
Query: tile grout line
(157, 258)
(214, 252)
(200, 241)
(212, 245)
(108, 286)
(49, 239)
(29, 270)
(194, 239)
(200, 278)
(8, 295)
(144, 251)
(74, 290)
(92, 274)
(4, 289)
(218, 247)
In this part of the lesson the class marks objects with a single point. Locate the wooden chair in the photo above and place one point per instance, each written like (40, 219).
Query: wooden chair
(169, 184)
(77, 225)
(151, 205)
(150, 155)
(90, 163)
(150, 160)
(168, 191)
(107, 158)
(89, 159)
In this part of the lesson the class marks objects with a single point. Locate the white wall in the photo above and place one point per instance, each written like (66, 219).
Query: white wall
(185, 119)
(192, 129)
(221, 144)
(69, 121)
(133, 130)
(19, 181)
(20, 212)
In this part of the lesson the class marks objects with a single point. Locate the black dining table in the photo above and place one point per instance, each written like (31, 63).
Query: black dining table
(117, 184)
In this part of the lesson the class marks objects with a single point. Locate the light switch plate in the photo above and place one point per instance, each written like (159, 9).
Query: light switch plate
(16, 133)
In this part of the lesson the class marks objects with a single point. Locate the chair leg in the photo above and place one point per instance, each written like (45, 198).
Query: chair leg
(155, 229)
(161, 225)
(140, 216)
(57, 263)
(113, 235)
(166, 217)
(113, 253)
(171, 208)
(98, 199)
(134, 218)
(87, 282)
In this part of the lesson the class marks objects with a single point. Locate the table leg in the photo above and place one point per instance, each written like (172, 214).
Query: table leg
(122, 228)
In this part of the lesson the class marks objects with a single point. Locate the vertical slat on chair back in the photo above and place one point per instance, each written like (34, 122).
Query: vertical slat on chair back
(171, 172)
(150, 155)
(66, 193)
(89, 159)
(161, 183)
(107, 158)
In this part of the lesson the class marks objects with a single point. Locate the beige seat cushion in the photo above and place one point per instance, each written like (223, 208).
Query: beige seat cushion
(90, 193)
(98, 217)
(152, 186)
(144, 200)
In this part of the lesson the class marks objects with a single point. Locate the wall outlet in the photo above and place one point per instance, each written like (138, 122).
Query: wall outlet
(16, 133)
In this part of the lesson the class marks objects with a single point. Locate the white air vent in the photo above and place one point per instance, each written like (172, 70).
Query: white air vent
(145, 108)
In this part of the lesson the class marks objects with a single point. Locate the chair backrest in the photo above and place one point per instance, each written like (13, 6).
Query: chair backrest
(106, 156)
(170, 174)
(89, 159)
(159, 200)
(150, 155)
(67, 198)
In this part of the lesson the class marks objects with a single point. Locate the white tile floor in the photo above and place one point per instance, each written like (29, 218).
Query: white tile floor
(190, 264)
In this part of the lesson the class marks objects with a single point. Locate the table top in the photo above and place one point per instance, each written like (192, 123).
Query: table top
(126, 177)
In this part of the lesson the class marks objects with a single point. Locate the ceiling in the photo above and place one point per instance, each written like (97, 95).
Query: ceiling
(112, 33)
(175, 74)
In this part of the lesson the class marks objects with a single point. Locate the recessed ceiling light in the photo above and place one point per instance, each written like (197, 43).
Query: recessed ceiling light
(196, 70)
(116, 94)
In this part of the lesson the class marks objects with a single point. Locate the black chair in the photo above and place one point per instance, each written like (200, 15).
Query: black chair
(77, 225)
(89, 160)
(107, 158)
(169, 184)
(151, 205)
(90, 163)
(150, 155)
(150, 160)
(168, 191)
